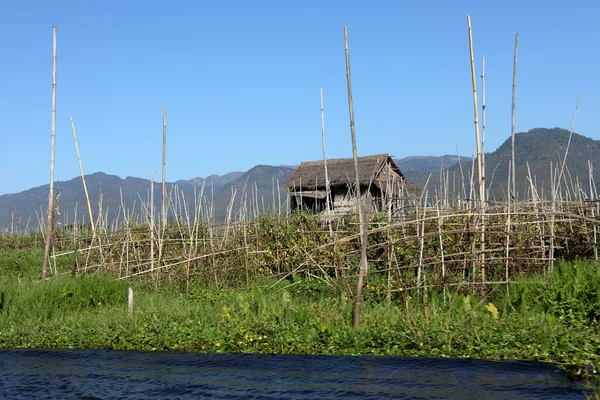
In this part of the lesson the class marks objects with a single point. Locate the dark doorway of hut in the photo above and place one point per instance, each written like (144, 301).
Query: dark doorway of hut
(311, 201)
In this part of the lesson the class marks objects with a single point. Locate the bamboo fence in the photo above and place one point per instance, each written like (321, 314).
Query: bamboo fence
(412, 242)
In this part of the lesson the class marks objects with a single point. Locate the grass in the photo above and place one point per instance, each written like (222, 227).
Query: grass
(552, 319)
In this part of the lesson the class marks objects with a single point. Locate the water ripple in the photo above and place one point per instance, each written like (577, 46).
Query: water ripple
(106, 374)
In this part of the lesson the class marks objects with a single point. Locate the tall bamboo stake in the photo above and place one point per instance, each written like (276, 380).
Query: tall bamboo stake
(50, 222)
(363, 230)
(512, 130)
(164, 171)
(420, 222)
(152, 221)
(552, 216)
(327, 189)
(592, 199)
(440, 222)
(482, 189)
(441, 180)
(472, 194)
(87, 197)
(483, 124)
(462, 175)
(278, 199)
(564, 160)
(389, 196)
(508, 223)
(476, 116)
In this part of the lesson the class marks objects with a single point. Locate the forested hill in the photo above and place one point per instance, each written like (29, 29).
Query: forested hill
(537, 151)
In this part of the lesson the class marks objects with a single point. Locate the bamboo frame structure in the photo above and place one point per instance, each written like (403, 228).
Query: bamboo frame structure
(514, 240)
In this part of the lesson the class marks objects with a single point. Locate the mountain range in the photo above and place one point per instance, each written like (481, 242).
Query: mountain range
(256, 190)
(539, 153)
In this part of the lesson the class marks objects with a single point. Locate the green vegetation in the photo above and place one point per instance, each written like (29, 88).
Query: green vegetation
(552, 319)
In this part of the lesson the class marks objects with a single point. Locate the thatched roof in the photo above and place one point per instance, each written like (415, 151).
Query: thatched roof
(310, 175)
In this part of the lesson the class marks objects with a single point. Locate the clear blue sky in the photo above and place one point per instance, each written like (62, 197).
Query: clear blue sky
(241, 80)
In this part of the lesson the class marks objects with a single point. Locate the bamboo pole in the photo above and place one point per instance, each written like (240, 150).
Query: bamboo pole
(481, 175)
(508, 222)
(152, 221)
(462, 175)
(256, 200)
(130, 301)
(439, 193)
(482, 189)
(50, 222)
(278, 198)
(592, 198)
(476, 115)
(327, 188)
(512, 130)
(440, 232)
(87, 197)
(552, 217)
(274, 204)
(421, 234)
(164, 198)
(99, 225)
(363, 229)
(483, 109)
(389, 193)
(472, 194)
(564, 160)
(164, 171)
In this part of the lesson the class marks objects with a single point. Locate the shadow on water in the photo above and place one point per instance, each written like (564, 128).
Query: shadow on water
(101, 374)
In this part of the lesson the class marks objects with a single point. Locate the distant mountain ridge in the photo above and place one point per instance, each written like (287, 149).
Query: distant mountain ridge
(110, 192)
(212, 182)
(426, 163)
(256, 189)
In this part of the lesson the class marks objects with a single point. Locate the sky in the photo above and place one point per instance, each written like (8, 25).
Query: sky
(240, 80)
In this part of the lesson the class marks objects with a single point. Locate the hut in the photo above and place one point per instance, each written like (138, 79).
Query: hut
(379, 176)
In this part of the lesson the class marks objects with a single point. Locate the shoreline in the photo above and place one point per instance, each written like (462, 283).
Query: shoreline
(311, 317)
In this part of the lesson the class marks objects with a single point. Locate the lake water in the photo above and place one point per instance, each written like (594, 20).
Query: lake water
(109, 374)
